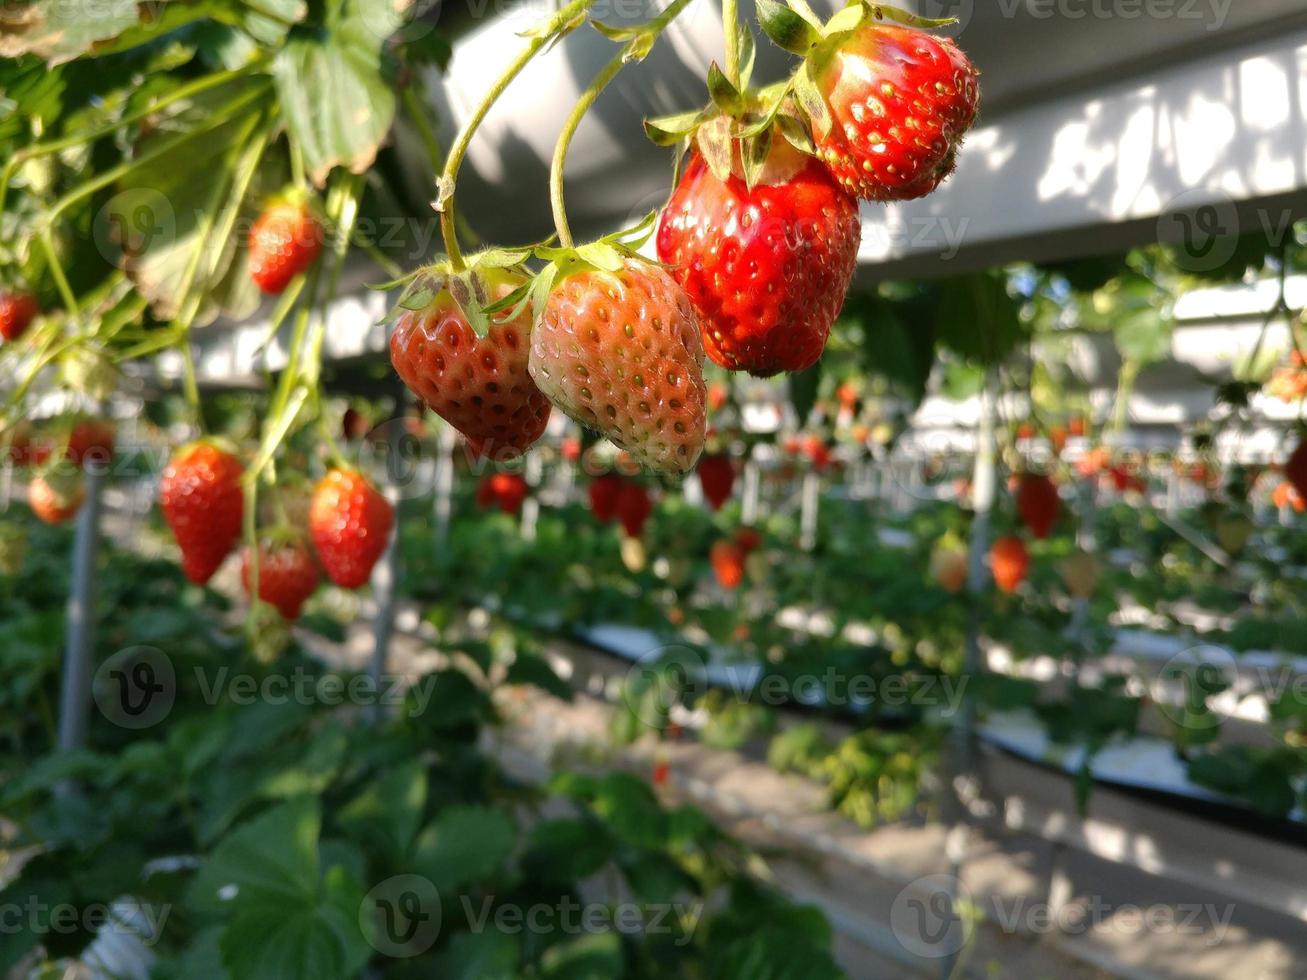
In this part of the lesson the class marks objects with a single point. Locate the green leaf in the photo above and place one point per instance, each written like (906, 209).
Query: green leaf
(847, 20)
(487, 955)
(724, 94)
(565, 851)
(58, 31)
(271, 860)
(785, 28)
(811, 99)
(463, 845)
(319, 942)
(593, 957)
(670, 130)
(384, 817)
(979, 320)
(335, 95)
(803, 391)
(748, 51)
(531, 668)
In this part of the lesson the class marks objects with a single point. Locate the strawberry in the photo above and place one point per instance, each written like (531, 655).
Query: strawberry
(56, 497)
(948, 563)
(1076, 427)
(17, 311)
(727, 563)
(203, 503)
(748, 540)
(604, 491)
(1057, 437)
(899, 102)
(767, 267)
(503, 490)
(24, 449)
(818, 453)
(1286, 496)
(571, 449)
(1026, 431)
(1008, 560)
(287, 575)
(349, 522)
(716, 476)
(633, 508)
(91, 441)
(621, 352)
(1038, 503)
(1080, 571)
(847, 395)
(1296, 469)
(479, 384)
(284, 241)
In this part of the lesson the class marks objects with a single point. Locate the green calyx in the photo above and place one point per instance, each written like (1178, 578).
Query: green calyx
(468, 287)
(608, 254)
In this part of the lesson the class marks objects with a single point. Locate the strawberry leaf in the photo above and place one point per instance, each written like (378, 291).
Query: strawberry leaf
(715, 141)
(909, 20)
(785, 27)
(847, 20)
(795, 132)
(755, 156)
(747, 50)
(724, 95)
(670, 130)
(811, 99)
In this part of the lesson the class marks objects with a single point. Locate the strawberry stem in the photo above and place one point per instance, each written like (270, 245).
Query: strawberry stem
(635, 49)
(731, 32)
(561, 22)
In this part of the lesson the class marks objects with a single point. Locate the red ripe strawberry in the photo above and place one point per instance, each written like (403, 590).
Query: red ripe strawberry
(56, 497)
(91, 440)
(748, 540)
(1038, 503)
(24, 450)
(1057, 437)
(284, 241)
(1008, 560)
(621, 353)
(202, 501)
(17, 311)
(847, 395)
(503, 490)
(1026, 430)
(287, 576)
(817, 451)
(479, 385)
(767, 268)
(571, 449)
(716, 476)
(1076, 427)
(604, 490)
(633, 508)
(661, 770)
(1285, 495)
(349, 522)
(727, 560)
(1296, 469)
(899, 101)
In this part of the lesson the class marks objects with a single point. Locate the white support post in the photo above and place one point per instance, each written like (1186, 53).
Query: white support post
(532, 472)
(75, 694)
(809, 505)
(752, 484)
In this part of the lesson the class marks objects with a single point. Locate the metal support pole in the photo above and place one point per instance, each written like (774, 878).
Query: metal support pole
(444, 502)
(532, 472)
(752, 484)
(385, 575)
(75, 695)
(808, 511)
(983, 482)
